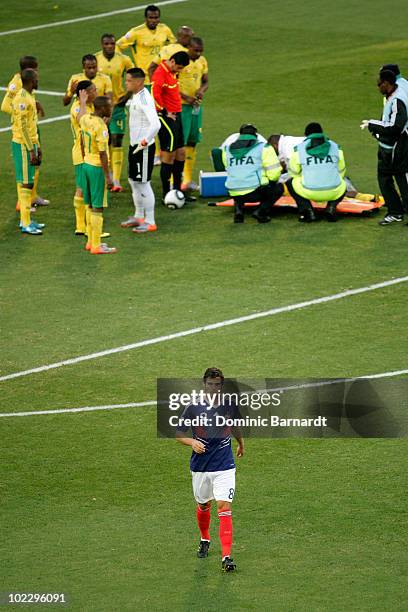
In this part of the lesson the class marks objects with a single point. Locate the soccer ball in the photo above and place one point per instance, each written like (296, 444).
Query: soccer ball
(174, 199)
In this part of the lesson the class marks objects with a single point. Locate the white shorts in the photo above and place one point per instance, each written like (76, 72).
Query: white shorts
(214, 485)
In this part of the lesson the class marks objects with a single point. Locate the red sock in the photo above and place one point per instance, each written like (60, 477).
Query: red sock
(203, 520)
(225, 532)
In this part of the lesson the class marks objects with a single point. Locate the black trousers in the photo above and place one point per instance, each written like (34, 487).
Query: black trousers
(267, 195)
(391, 170)
(304, 204)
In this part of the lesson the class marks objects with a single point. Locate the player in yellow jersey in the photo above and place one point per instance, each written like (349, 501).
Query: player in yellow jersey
(193, 82)
(14, 86)
(90, 72)
(26, 148)
(146, 40)
(83, 103)
(96, 178)
(115, 64)
(183, 37)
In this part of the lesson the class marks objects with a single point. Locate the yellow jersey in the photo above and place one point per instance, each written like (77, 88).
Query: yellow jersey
(95, 136)
(13, 88)
(146, 44)
(167, 51)
(115, 68)
(101, 81)
(24, 119)
(76, 133)
(191, 76)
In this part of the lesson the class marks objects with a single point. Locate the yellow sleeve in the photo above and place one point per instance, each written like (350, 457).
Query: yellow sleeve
(205, 66)
(68, 92)
(20, 112)
(6, 104)
(270, 163)
(108, 85)
(170, 36)
(102, 138)
(295, 168)
(127, 40)
(128, 62)
(12, 91)
(342, 164)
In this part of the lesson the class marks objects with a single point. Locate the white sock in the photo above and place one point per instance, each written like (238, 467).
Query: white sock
(146, 197)
(137, 200)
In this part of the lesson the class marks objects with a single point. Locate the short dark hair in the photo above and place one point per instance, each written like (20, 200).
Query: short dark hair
(392, 67)
(313, 128)
(89, 57)
(101, 102)
(274, 139)
(83, 85)
(28, 75)
(28, 61)
(388, 76)
(136, 73)
(181, 58)
(248, 128)
(196, 40)
(213, 373)
(152, 8)
(107, 36)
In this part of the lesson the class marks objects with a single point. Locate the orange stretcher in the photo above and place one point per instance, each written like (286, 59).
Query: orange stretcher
(347, 206)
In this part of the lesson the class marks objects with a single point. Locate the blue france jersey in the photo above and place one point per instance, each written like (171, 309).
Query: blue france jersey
(218, 454)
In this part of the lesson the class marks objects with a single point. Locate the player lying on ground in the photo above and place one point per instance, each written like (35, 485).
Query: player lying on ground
(212, 466)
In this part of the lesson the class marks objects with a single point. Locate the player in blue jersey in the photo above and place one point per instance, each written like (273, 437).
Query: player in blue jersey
(212, 463)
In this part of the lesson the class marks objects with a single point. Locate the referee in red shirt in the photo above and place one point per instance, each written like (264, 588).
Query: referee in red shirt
(166, 94)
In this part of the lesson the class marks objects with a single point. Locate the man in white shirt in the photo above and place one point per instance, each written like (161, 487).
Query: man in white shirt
(144, 124)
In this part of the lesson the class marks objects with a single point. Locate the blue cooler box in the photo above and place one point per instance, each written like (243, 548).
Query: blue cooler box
(212, 184)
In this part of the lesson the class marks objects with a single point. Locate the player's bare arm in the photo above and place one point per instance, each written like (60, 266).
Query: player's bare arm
(40, 109)
(204, 86)
(197, 446)
(68, 96)
(105, 167)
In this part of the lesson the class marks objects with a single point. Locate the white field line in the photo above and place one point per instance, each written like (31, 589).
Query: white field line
(44, 92)
(210, 327)
(50, 120)
(154, 403)
(54, 24)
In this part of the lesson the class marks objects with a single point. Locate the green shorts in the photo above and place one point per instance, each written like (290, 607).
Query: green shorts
(24, 170)
(94, 188)
(79, 170)
(117, 123)
(192, 118)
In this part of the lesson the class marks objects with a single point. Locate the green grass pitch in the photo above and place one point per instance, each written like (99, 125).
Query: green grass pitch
(93, 504)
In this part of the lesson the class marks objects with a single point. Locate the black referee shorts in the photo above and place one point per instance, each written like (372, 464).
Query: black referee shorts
(171, 135)
(141, 163)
